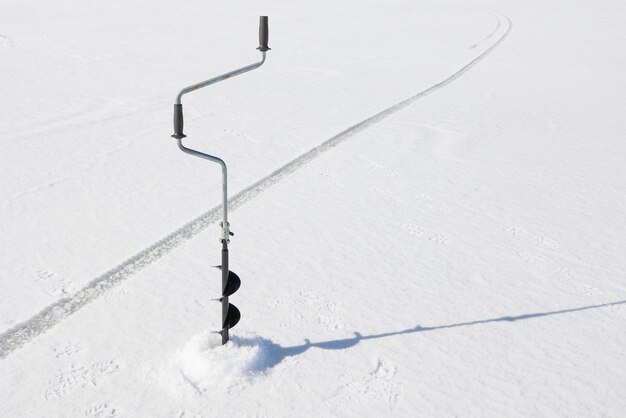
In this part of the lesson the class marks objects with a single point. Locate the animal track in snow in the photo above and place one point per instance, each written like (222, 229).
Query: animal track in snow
(329, 321)
(376, 388)
(310, 299)
(55, 285)
(235, 133)
(393, 173)
(438, 239)
(102, 410)
(430, 203)
(66, 349)
(294, 320)
(382, 382)
(308, 307)
(418, 231)
(538, 240)
(44, 276)
(412, 229)
(79, 377)
(384, 370)
(6, 41)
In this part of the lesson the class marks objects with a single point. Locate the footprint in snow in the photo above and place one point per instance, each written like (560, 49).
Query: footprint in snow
(66, 349)
(102, 410)
(377, 389)
(78, 377)
(538, 240)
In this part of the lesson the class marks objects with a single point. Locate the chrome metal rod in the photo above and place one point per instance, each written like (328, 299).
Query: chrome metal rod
(225, 225)
(220, 78)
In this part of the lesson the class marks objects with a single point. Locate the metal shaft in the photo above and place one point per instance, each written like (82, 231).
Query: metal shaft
(225, 231)
(219, 78)
(225, 304)
(225, 225)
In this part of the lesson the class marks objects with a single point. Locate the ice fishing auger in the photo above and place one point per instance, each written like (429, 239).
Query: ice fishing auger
(230, 281)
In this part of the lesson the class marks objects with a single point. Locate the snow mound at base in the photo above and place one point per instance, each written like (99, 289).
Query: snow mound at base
(204, 361)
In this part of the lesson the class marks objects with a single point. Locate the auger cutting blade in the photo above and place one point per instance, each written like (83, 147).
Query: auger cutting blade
(232, 317)
(232, 284)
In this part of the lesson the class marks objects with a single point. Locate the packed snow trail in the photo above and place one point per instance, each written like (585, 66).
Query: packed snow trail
(21, 334)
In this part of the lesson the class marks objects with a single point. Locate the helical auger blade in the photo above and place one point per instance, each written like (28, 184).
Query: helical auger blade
(233, 315)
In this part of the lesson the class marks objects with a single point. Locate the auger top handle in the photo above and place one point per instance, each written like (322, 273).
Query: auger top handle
(178, 106)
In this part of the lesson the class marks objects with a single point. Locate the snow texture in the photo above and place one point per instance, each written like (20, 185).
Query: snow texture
(428, 200)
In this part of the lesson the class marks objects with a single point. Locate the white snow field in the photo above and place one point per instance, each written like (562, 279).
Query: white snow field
(429, 207)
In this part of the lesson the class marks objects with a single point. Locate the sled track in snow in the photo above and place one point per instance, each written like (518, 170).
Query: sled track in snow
(24, 332)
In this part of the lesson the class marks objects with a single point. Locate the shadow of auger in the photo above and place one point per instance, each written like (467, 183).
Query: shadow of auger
(278, 353)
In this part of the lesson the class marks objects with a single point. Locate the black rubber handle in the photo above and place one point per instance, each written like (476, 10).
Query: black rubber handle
(178, 122)
(264, 34)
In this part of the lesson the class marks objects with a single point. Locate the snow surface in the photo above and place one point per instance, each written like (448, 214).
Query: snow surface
(429, 207)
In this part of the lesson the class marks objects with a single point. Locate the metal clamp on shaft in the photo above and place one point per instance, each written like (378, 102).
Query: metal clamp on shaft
(226, 232)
